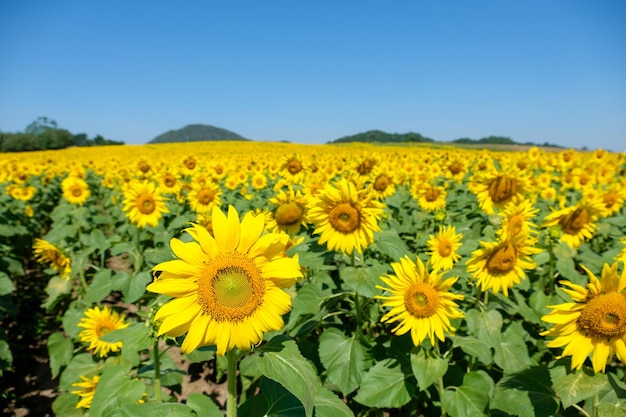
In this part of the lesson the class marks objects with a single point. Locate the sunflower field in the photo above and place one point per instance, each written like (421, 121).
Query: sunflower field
(317, 280)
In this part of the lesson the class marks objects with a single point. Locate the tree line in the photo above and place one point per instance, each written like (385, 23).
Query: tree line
(45, 134)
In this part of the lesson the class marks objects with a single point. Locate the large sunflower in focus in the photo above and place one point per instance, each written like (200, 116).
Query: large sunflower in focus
(98, 322)
(47, 253)
(227, 289)
(576, 222)
(143, 204)
(594, 323)
(419, 301)
(345, 217)
(500, 265)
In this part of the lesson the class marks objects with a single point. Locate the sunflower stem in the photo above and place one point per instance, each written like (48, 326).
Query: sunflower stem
(139, 254)
(83, 281)
(231, 376)
(550, 283)
(440, 386)
(157, 371)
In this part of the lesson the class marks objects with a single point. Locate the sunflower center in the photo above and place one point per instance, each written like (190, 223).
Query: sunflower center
(230, 287)
(294, 166)
(104, 328)
(77, 191)
(144, 167)
(205, 196)
(575, 221)
(421, 300)
(345, 218)
(455, 168)
(288, 214)
(502, 260)
(381, 183)
(146, 204)
(610, 199)
(516, 224)
(501, 189)
(169, 180)
(604, 315)
(365, 167)
(431, 194)
(445, 248)
(190, 163)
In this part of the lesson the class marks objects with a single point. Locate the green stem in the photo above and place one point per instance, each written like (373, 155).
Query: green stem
(440, 387)
(157, 371)
(231, 375)
(139, 254)
(83, 281)
(550, 283)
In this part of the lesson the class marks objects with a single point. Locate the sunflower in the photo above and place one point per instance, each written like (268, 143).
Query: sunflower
(143, 204)
(98, 322)
(290, 212)
(443, 247)
(169, 182)
(345, 217)
(202, 199)
(516, 221)
(47, 253)
(496, 190)
(259, 181)
(75, 190)
(576, 222)
(430, 197)
(86, 391)
(594, 323)
(419, 301)
(227, 289)
(501, 265)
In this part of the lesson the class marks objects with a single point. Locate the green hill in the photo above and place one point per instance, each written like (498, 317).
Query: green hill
(383, 137)
(197, 133)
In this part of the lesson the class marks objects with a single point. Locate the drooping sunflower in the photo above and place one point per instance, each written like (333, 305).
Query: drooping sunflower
(594, 323)
(47, 253)
(227, 289)
(290, 213)
(143, 204)
(203, 198)
(500, 265)
(496, 190)
(419, 301)
(442, 248)
(98, 322)
(345, 217)
(576, 222)
(75, 190)
(86, 391)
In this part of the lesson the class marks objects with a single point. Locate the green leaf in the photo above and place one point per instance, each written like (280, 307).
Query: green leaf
(149, 410)
(60, 351)
(385, 386)
(99, 287)
(116, 389)
(474, 347)
(136, 286)
(471, 398)
(612, 410)
(203, 405)
(526, 393)
(273, 401)
(308, 300)
(327, 404)
(6, 285)
(427, 369)
(388, 242)
(485, 325)
(71, 319)
(344, 358)
(293, 371)
(135, 338)
(56, 288)
(567, 269)
(363, 280)
(6, 357)
(81, 364)
(122, 247)
(576, 386)
(511, 354)
(58, 234)
(65, 405)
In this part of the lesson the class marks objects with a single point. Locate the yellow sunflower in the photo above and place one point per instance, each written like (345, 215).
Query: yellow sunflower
(98, 322)
(345, 217)
(442, 248)
(290, 212)
(497, 190)
(517, 221)
(143, 204)
(86, 391)
(419, 301)
(594, 323)
(227, 289)
(203, 198)
(500, 265)
(47, 253)
(576, 222)
(23, 192)
(430, 197)
(75, 190)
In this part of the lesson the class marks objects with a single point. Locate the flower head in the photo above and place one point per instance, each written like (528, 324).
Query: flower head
(98, 322)
(143, 204)
(47, 253)
(86, 391)
(442, 248)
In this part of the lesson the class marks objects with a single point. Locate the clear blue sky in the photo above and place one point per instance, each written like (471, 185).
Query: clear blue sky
(311, 72)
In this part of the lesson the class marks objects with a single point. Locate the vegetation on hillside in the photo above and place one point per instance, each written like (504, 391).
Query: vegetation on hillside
(44, 134)
(498, 140)
(197, 133)
(383, 137)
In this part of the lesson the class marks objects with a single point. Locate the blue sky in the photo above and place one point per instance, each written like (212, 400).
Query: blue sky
(311, 72)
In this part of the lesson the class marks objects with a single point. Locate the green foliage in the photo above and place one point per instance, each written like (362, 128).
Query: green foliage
(196, 133)
(378, 136)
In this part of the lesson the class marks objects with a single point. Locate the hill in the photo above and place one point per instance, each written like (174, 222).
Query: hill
(197, 133)
(383, 137)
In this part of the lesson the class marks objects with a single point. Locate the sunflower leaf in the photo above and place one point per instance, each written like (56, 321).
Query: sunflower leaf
(56, 288)
(116, 389)
(388, 242)
(385, 386)
(577, 386)
(274, 401)
(153, 410)
(471, 398)
(511, 354)
(526, 393)
(427, 369)
(60, 350)
(363, 280)
(327, 404)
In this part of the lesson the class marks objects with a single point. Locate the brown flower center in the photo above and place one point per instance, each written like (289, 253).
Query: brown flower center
(502, 259)
(421, 300)
(455, 168)
(345, 218)
(294, 166)
(288, 214)
(146, 204)
(144, 167)
(169, 180)
(190, 163)
(365, 167)
(381, 183)
(77, 190)
(205, 196)
(604, 315)
(575, 221)
(432, 194)
(516, 225)
(501, 189)
(445, 248)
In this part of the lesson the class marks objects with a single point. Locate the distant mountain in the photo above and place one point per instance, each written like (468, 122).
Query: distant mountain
(383, 137)
(197, 133)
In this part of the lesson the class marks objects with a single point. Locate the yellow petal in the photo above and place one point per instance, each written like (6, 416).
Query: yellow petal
(251, 229)
(173, 287)
(226, 229)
